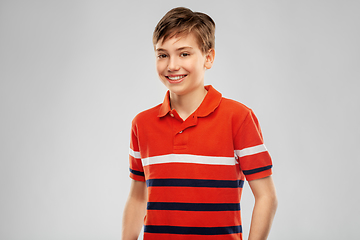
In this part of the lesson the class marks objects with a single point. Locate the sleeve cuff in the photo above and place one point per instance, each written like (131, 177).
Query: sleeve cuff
(137, 177)
(258, 175)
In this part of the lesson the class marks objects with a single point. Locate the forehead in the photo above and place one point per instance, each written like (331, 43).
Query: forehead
(178, 41)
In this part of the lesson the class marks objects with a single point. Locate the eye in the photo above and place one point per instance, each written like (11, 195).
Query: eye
(162, 56)
(184, 54)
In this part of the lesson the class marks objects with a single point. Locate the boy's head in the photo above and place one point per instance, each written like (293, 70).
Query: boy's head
(182, 21)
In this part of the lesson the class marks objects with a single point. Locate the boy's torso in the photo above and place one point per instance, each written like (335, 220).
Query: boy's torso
(193, 177)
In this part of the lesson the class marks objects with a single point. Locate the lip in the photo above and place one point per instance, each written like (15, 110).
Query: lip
(176, 81)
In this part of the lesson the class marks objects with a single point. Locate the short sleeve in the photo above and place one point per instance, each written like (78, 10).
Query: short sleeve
(136, 168)
(254, 159)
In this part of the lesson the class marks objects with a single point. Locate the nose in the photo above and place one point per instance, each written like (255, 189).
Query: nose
(173, 65)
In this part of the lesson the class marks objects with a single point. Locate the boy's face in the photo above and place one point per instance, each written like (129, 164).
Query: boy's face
(181, 64)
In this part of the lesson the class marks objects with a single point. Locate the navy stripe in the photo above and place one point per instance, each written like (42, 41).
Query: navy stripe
(137, 172)
(193, 230)
(256, 170)
(174, 182)
(193, 206)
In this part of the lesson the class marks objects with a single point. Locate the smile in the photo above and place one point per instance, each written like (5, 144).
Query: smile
(175, 78)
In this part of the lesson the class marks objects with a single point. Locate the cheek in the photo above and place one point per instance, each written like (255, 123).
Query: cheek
(189, 66)
(160, 66)
(195, 66)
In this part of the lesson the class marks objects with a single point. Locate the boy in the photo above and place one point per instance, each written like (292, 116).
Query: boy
(190, 155)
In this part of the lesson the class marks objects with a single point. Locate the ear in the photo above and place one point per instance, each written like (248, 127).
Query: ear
(209, 60)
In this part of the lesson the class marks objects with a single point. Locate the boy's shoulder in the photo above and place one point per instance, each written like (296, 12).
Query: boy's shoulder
(235, 103)
(233, 106)
(147, 115)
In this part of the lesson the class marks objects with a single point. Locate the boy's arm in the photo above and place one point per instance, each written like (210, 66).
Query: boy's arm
(264, 208)
(134, 212)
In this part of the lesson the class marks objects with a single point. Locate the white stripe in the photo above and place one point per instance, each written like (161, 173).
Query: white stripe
(250, 151)
(186, 158)
(134, 154)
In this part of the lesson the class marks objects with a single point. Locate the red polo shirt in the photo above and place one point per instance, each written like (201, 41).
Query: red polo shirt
(195, 169)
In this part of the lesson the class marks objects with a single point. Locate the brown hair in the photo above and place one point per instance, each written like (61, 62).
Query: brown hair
(182, 21)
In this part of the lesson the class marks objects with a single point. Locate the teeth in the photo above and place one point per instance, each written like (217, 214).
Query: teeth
(177, 77)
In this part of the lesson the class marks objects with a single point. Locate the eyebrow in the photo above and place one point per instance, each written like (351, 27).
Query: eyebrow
(178, 49)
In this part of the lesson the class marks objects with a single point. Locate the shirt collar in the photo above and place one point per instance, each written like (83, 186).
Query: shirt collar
(208, 105)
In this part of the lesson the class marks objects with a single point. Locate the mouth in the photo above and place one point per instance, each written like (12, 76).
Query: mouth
(175, 79)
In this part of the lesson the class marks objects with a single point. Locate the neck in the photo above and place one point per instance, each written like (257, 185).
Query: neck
(186, 104)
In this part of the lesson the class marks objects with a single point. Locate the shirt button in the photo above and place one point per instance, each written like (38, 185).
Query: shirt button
(172, 115)
(180, 131)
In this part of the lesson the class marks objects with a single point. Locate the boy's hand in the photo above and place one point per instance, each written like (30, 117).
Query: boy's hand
(134, 212)
(264, 209)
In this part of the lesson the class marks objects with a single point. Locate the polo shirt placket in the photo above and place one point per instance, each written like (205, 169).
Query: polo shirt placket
(180, 133)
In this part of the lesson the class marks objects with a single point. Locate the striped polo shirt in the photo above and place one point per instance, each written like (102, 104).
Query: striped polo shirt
(195, 169)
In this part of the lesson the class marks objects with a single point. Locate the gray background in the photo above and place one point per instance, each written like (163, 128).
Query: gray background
(73, 74)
